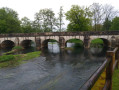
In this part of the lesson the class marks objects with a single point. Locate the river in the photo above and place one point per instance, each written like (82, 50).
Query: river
(55, 69)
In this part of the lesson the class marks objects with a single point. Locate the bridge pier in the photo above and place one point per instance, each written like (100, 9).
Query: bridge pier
(62, 42)
(38, 44)
(86, 42)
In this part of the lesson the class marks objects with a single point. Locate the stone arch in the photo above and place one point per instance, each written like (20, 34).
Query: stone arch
(27, 43)
(45, 42)
(77, 39)
(7, 44)
(106, 42)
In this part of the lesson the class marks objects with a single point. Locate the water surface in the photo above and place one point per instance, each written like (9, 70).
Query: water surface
(55, 69)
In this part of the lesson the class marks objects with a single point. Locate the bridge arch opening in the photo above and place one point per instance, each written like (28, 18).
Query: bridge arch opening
(100, 43)
(27, 43)
(7, 44)
(74, 43)
(46, 43)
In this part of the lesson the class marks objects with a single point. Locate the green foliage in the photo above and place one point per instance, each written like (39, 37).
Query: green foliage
(8, 53)
(79, 18)
(78, 43)
(26, 25)
(107, 24)
(97, 41)
(6, 58)
(115, 80)
(17, 48)
(60, 19)
(115, 24)
(75, 41)
(13, 60)
(14, 50)
(9, 22)
(45, 20)
(52, 40)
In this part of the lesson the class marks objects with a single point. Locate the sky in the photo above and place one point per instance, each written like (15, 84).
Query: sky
(28, 8)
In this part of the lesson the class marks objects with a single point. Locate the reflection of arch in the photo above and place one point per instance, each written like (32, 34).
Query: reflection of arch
(26, 43)
(76, 41)
(106, 42)
(7, 44)
(45, 42)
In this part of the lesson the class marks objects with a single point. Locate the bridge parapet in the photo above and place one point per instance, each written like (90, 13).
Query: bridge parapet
(89, 33)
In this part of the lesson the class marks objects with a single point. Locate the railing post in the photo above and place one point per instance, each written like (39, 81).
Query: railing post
(117, 57)
(109, 69)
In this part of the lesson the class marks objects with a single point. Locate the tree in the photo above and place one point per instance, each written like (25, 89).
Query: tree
(107, 24)
(102, 15)
(97, 11)
(109, 12)
(79, 18)
(26, 25)
(60, 19)
(9, 22)
(46, 20)
(115, 24)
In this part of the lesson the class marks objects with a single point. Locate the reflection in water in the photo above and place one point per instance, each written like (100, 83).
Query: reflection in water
(56, 69)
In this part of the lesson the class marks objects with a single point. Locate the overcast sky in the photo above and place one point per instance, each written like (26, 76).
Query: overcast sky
(29, 7)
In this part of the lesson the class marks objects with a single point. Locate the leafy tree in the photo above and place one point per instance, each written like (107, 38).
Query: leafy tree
(115, 24)
(107, 24)
(102, 14)
(79, 18)
(26, 25)
(46, 20)
(60, 19)
(9, 22)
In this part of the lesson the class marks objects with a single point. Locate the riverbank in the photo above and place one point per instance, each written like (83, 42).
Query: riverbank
(14, 60)
(101, 81)
(115, 80)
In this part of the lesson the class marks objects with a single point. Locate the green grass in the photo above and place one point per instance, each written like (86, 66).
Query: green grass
(75, 41)
(6, 58)
(115, 80)
(17, 48)
(97, 41)
(14, 50)
(14, 60)
(69, 48)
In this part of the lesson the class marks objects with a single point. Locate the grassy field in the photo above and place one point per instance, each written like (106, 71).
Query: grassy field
(14, 60)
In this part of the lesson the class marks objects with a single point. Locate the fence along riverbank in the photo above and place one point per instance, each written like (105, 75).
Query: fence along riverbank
(111, 62)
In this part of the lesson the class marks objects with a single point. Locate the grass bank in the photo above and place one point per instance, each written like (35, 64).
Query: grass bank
(75, 41)
(97, 41)
(14, 60)
(101, 81)
(115, 80)
(14, 50)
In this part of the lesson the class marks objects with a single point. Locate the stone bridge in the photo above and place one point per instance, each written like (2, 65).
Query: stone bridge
(41, 39)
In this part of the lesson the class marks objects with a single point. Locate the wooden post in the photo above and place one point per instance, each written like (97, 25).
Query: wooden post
(117, 57)
(109, 69)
